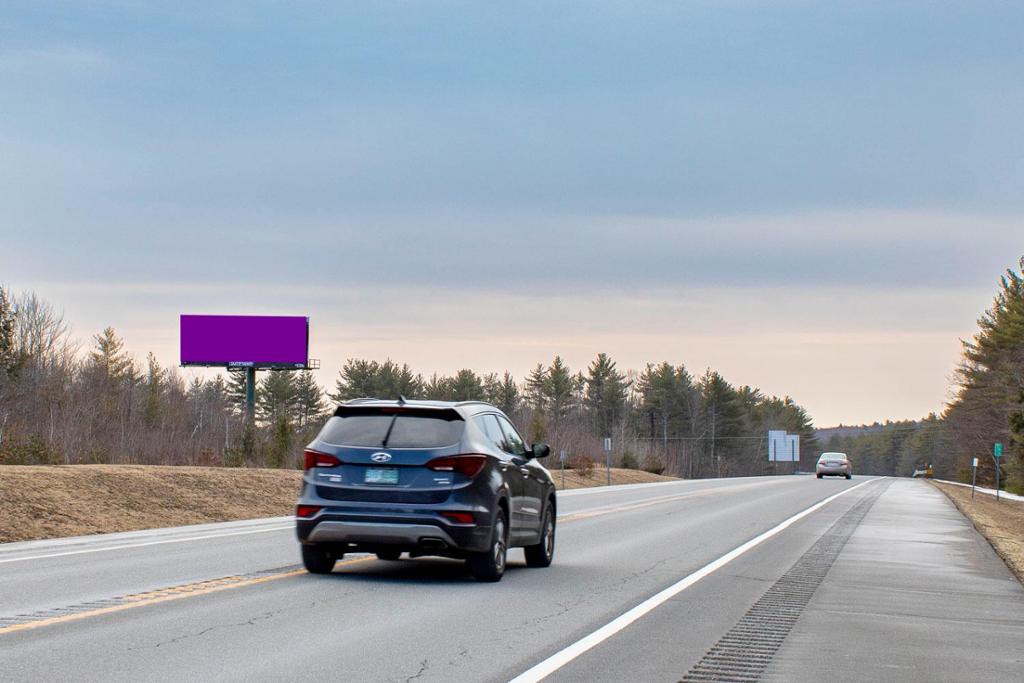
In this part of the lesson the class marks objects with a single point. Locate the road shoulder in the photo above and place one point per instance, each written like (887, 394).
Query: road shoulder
(916, 594)
(1001, 522)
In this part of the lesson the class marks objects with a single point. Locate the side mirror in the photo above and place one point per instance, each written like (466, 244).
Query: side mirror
(541, 450)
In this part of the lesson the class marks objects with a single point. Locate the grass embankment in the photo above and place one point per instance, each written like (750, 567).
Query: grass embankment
(1001, 523)
(74, 500)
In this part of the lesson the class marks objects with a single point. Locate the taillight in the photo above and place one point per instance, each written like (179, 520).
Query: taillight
(317, 459)
(307, 511)
(459, 517)
(469, 465)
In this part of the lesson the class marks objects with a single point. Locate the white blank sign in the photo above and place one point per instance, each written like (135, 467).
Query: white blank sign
(783, 447)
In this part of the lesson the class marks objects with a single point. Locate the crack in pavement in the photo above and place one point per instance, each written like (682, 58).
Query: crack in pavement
(199, 634)
(423, 667)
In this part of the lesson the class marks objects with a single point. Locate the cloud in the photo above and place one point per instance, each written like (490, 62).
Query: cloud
(524, 252)
(53, 60)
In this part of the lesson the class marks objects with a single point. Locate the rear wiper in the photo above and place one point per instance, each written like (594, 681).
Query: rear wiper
(387, 436)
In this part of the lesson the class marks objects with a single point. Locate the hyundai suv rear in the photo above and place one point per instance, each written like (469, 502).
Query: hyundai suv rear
(426, 478)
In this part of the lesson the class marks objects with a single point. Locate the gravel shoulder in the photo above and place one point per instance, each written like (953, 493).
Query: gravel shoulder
(44, 501)
(1002, 523)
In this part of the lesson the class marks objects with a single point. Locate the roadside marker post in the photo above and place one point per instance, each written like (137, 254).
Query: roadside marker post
(974, 475)
(608, 458)
(561, 457)
(997, 453)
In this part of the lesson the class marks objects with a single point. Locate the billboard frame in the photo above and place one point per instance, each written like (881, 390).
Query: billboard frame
(250, 367)
(309, 364)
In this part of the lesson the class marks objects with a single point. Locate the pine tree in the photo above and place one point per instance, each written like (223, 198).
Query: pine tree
(8, 348)
(467, 386)
(234, 390)
(309, 399)
(154, 390)
(110, 357)
(560, 388)
(668, 401)
(536, 387)
(216, 390)
(370, 379)
(991, 379)
(357, 379)
(397, 380)
(503, 392)
(278, 397)
(280, 441)
(605, 397)
(722, 417)
(438, 388)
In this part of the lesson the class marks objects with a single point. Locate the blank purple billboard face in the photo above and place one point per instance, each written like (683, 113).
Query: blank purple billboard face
(243, 340)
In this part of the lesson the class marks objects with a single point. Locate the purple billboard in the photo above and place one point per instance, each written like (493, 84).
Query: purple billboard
(262, 341)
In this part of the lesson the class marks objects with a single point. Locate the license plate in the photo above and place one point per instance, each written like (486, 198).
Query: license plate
(381, 475)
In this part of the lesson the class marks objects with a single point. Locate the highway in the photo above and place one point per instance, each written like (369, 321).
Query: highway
(778, 578)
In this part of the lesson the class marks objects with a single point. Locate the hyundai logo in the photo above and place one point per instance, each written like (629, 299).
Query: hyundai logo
(381, 457)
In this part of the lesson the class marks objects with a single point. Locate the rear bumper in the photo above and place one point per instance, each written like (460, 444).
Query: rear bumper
(426, 534)
(378, 532)
(833, 470)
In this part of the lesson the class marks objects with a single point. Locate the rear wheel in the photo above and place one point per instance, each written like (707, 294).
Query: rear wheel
(540, 555)
(489, 566)
(819, 475)
(389, 555)
(849, 476)
(318, 560)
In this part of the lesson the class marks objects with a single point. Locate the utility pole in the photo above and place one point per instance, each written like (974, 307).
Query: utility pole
(250, 394)
(608, 458)
(714, 456)
(997, 454)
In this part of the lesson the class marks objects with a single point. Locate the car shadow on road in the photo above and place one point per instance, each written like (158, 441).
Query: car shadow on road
(421, 570)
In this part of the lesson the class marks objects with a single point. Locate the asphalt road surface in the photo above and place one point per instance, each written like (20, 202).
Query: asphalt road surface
(779, 578)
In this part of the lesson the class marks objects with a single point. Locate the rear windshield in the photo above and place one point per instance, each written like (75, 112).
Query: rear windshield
(376, 429)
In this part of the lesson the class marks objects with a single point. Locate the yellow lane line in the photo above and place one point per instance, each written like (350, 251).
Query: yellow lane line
(168, 595)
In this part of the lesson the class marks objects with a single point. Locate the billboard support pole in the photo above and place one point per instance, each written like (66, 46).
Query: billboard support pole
(250, 394)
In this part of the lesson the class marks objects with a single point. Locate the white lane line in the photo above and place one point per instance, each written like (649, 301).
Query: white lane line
(124, 546)
(563, 657)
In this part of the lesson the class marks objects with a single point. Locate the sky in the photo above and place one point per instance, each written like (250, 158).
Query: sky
(814, 198)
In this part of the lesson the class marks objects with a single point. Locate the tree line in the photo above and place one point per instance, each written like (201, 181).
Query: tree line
(60, 404)
(988, 407)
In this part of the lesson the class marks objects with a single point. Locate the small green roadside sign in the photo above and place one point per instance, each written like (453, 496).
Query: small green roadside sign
(997, 450)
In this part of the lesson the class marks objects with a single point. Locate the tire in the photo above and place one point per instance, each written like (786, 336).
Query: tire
(819, 476)
(489, 566)
(389, 555)
(541, 554)
(318, 560)
(849, 476)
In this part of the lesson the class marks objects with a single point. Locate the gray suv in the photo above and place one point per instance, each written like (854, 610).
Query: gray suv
(425, 478)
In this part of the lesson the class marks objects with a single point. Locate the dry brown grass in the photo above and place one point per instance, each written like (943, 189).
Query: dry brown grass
(597, 477)
(1001, 523)
(73, 500)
